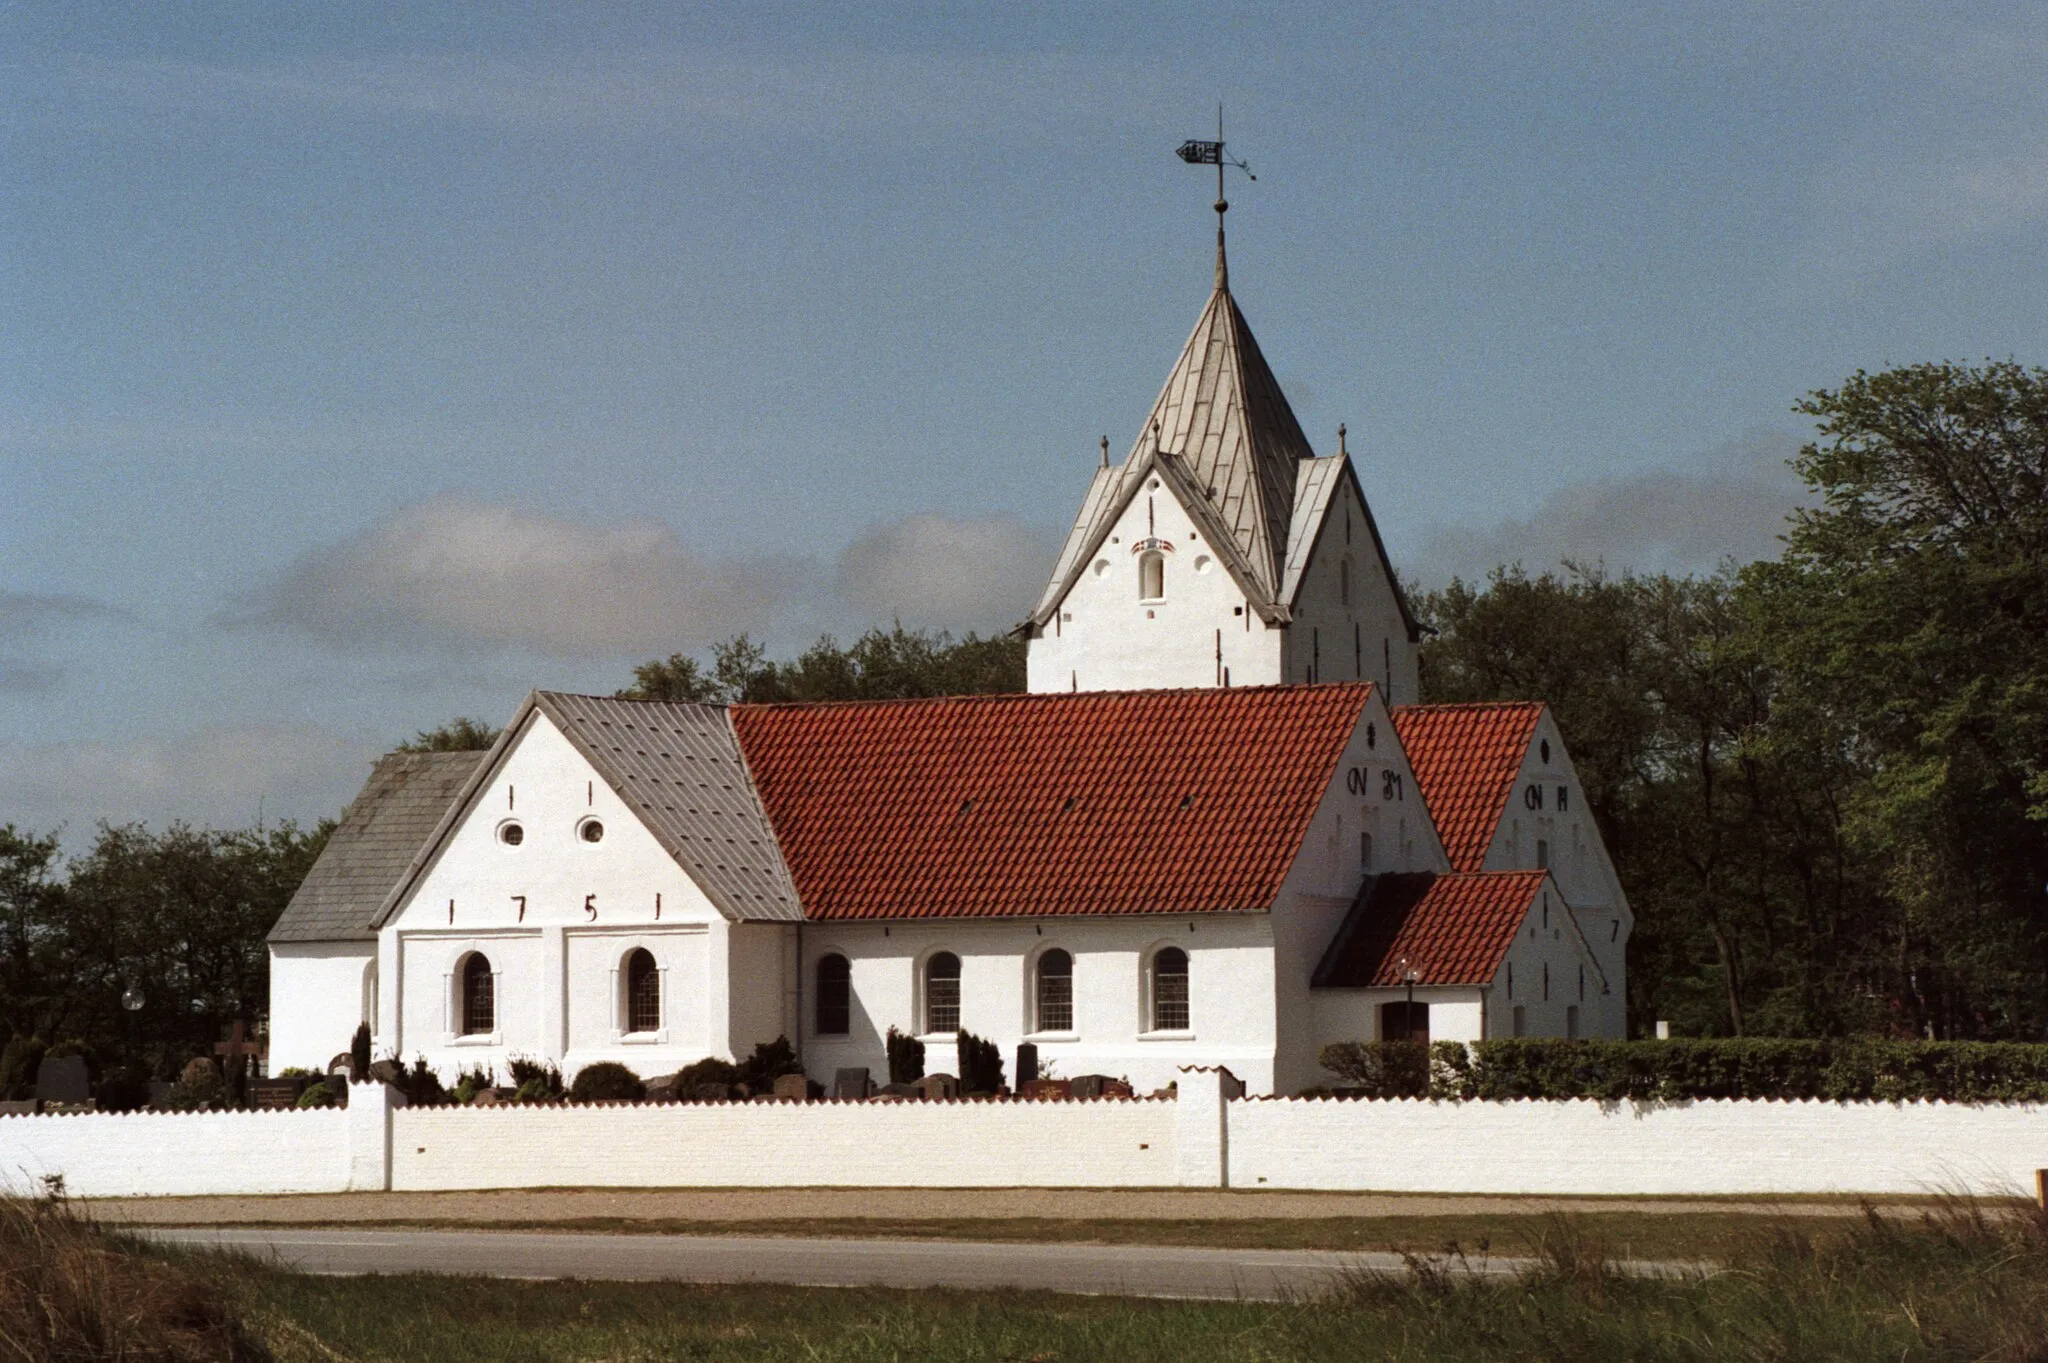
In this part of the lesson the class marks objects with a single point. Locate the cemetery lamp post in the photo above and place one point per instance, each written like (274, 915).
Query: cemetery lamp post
(1409, 975)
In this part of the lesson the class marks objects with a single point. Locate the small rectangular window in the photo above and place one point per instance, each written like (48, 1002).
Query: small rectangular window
(1365, 851)
(1542, 854)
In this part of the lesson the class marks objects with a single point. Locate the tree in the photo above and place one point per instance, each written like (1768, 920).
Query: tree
(893, 664)
(461, 734)
(31, 924)
(1907, 631)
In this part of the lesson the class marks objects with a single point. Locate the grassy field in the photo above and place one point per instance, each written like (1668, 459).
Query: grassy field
(1950, 1284)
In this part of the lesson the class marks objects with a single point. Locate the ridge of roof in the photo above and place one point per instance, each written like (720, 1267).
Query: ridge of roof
(1173, 801)
(1465, 757)
(1044, 697)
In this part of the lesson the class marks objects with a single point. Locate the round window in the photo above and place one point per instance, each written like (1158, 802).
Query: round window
(1203, 563)
(590, 830)
(1101, 566)
(511, 833)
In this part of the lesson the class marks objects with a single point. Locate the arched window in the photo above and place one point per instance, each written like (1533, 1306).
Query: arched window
(370, 993)
(835, 996)
(1151, 575)
(1056, 992)
(1170, 990)
(942, 993)
(643, 992)
(479, 1002)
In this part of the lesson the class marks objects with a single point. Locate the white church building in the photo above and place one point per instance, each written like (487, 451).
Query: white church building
(1220, 830)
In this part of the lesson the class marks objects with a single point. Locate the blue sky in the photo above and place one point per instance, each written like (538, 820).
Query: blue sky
(360, 367)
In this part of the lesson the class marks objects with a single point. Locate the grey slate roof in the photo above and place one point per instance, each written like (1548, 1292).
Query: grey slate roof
(379, 835)
(1245, 469)
(679, 766)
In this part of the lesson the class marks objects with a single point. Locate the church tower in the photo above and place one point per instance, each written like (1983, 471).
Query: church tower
(1222, 551)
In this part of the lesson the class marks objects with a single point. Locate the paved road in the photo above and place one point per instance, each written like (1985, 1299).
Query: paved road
(1109, 1270)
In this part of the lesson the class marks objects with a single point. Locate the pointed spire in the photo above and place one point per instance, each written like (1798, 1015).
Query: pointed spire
(1105, 451)
(1341, 451)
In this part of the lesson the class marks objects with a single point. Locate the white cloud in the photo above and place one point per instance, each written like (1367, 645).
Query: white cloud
(215, 777)
(1729, 503)
(451, 572)
(937, 572)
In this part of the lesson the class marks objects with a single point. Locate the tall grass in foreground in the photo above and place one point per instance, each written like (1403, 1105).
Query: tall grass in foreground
(1959, 1282)
(70, 1291)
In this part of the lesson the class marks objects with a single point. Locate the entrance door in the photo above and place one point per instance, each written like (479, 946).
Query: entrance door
(1401, 1021)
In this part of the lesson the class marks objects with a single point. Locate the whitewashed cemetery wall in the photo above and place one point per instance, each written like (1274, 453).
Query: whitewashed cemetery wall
(1201, 1139)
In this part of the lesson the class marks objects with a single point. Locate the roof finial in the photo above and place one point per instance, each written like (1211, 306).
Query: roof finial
(1341, 451)
(1211, 154)
(1105, 451)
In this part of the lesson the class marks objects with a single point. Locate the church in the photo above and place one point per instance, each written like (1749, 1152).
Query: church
(1220, 829)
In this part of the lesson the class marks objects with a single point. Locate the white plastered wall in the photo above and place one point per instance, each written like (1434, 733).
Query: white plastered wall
(1359, 634)
(1578, 863)
(1372, 790)
(320, 992)
(1230, 977)
(559, 957)
(1545, 973)
(1106, 637)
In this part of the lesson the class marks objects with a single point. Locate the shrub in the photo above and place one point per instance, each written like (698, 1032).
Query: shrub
(534, 1080)
(318, 1095)
(469, 1083)
(18, 1062)
(199, 1086)
(123, 1089)
(607, 1081)
(709, 1070)
(359, 1054)
(769, 1062)
(1849, 1070)
(906, 1058)
(981, 1064)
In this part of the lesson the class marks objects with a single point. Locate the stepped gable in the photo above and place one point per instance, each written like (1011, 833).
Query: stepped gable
(1452, 929)
(1108, 802)
(380, 834)
(1466, 758)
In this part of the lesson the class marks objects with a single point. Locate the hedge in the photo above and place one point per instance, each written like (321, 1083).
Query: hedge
(1850, 1070)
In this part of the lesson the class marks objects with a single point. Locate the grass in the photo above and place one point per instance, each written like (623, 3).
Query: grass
(1952, 1283)
(1632, 1235)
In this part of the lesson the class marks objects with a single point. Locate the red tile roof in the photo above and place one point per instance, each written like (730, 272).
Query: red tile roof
(1453, 929)
(1112, 802)
(1466, 758)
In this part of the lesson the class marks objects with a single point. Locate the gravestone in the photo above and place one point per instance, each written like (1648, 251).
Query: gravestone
(1044, 1088)
(276, 1093)
(850, 1083)
(1095, 1086)
(898, 1091)
(1027, 1063)
(792, 1086)
(62, 1079)
(936, 1086)
(712, 1093)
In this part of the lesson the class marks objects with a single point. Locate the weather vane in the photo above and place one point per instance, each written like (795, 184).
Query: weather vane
(1198, 153)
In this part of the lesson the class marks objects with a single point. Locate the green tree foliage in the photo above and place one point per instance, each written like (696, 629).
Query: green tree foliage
(461, 734)
(1821, 777)
(893, 664)
(178, 916)
(1906, 630)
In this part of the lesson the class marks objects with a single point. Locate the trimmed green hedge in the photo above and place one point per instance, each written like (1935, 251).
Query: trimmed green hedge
(1854, 1070)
